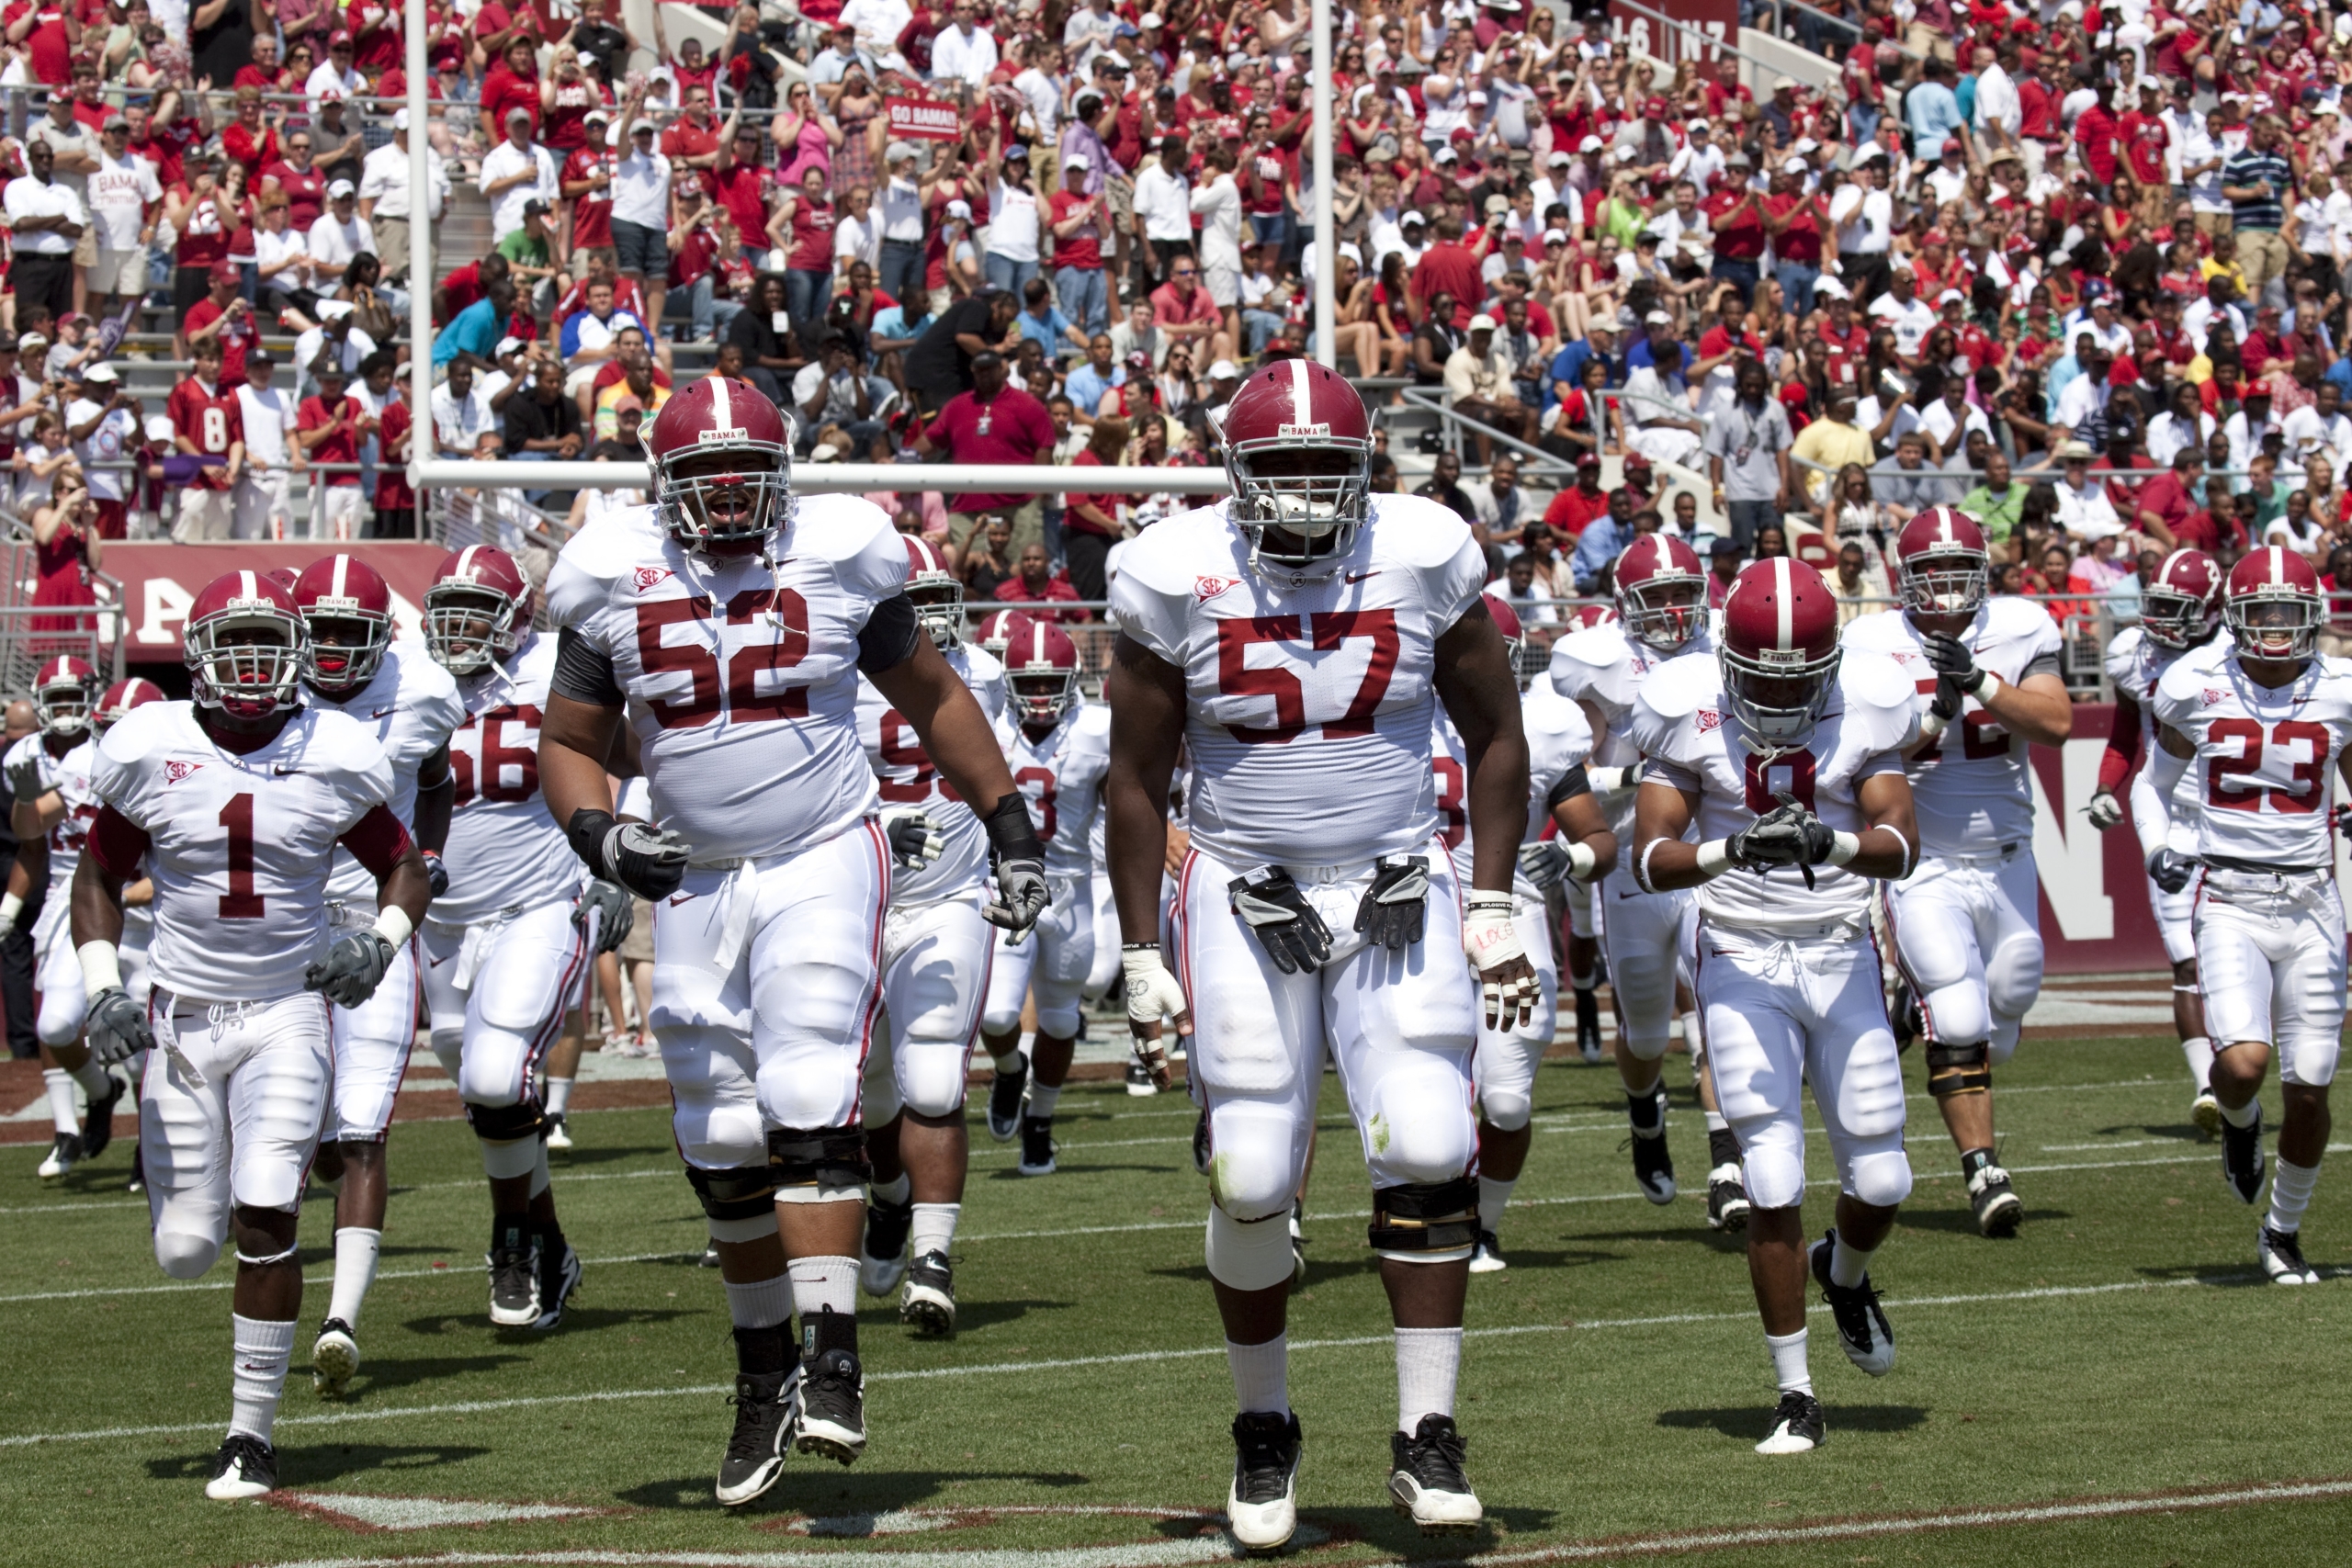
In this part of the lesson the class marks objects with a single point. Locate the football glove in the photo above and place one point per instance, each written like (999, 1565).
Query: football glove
(2105, 811)
(1279, 915)
(1152, 995)
(25, 776)
(649, 862)
(1543, 862)
(352, 969)
(1950, 656)
(1775, 839)
(1947, 702)
(118, 1027)
(1507, 984)
(613, 910)
(436, 875)
(1396, 906)
(915, 839)
(2170, 870)
(1022, 896)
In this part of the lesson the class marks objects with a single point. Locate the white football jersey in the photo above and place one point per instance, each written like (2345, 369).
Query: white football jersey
(239, 846)
(739, 682)
(1559, 738)
(1310, 702)
(1061, 776)
(1605, 666)
(70, 776)
(906, 776)
(412, 708)
(1969, 784)
(505, 851)
(2266, 756)
(2135, 662)
(1683, 724)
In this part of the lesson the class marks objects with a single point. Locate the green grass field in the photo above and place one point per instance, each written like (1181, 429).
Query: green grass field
(2119, 1349)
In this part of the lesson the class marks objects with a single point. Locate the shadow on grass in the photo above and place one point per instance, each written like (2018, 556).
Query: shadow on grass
(1064, 1166)
(1961, 1221)
(970, 1314)
(1382, 1528)
(1729, 1245)
(2185, 1132)
(1519, 1257)
(301, 1463)
(577, 1319)
(822, 1490)
(381, 1376)
(1749, 1423)
(2223, 1276)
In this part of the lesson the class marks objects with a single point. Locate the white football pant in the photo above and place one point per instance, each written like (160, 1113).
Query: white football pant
(1647, 938)
(497, 993)
(1778, 1012)
(1054, 959)
(1100, 978)
(936, 965)
(245, 1134)
(2270, 967)
(1503, 1071)
(61, 1002)
(1968, 937)
(371, 1041)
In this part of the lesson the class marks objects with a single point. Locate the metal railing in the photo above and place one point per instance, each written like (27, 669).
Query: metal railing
(1537, 462)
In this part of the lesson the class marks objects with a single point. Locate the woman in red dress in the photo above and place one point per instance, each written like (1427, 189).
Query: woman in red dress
(67, 551)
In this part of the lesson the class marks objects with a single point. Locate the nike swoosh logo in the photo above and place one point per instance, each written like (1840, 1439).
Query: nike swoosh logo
(678, 898)
(1635, 895)
(1360, 576)
(379, 713)
(435, 962)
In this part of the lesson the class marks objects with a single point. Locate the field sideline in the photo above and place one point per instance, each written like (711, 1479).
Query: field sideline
(2111, 1387)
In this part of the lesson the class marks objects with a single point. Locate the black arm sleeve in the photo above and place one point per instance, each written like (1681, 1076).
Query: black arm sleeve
(583, 674)
(1572, 784)
(888, 639)
(2047, 664)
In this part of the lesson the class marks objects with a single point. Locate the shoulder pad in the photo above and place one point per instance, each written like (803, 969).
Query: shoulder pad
(1167, 556)
(2123, 659)
(1871, 680)
(607, 550)
(143, 730)
(835, 527)
(1415, 531)
(1879, 631)
(1680, 686)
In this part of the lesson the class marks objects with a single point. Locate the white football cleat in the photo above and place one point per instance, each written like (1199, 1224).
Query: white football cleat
(2281, 1254)
(335, 1357)
(1262, 1504)
(1426, 1480)
(1797, 1426)
(245, 1467)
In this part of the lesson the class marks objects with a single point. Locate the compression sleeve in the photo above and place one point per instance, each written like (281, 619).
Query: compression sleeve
(118, 843)
(377, 840)
(888, 638)
(583, 673)
(2152, 798)
(1573, 782)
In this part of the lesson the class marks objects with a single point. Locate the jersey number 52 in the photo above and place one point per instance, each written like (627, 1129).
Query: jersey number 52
(726, 682)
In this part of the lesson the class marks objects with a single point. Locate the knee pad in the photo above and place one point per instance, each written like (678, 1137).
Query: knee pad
(1061, 1023)
(1248, 1255)
(1505, 1110)
(185, 1257)
(1421, 1220)
(2013, 977)
(504, 1123)
(1955, 1070)
(931, 1077)
(1253, 1165)
(503, 1159)
(2004, 1043)
(1879, 1177)
(878, 1101)
(1001, 1020)
(58, 1021)
(1773, 1176)
(812, 1163)
(449, 1049)
(746, 1192)
(1956, 1011)
(1421, 1130)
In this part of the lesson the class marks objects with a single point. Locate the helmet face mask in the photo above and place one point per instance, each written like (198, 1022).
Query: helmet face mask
(64, 693)
(247, 660)
(1780, 655)
(1778, 697)
(2171, 619)
(1949, 582)
(2280, 625)
(936, 595)
(1042, 699)
(727, 501)
(342, 652)
(467, 626)
(1300, 501)
(1663, 615)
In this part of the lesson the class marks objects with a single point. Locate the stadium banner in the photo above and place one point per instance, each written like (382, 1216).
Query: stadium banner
(924, 120)
(2095, 914)
(1704, 28)
(160, 579)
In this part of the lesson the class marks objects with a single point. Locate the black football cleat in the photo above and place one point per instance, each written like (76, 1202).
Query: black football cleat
(1426, 1482)
(1797, 1426)
(1005, 1097)
(2242, 1161)
(1262, 1506)
(767, 1408)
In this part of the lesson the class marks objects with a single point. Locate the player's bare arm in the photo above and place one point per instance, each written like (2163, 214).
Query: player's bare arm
(1886, 849)
(1581, 825)
(1480, 691)
(1147, 697)
(931, 696)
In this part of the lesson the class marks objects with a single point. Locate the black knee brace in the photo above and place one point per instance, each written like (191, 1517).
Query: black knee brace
(743, 1193)
(823, 1157)
(1425, 1216)
(504, 1123)
(1955, 1070)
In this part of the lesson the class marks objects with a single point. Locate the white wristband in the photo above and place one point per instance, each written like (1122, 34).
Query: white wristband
(1581, 860)
(1844, 847)
(101, 968)
(394, 926)
(1714, 858)
(1932, 726)
(11, 906)
(1990, 689)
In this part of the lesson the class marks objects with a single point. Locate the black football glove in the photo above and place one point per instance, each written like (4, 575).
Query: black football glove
(649, 862)
(352, 969)
(1775, 839)
(2170, 870)
(615, 910)
(118, 1027)
(1017, 859)
(436, 875)
(1279, 915)
(1396, 906)
(1950, 656)
(915, 839)
(1946, 704)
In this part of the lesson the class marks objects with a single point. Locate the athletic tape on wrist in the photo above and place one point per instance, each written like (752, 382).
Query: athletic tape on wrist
(1714, 858)
(394, 926)
(101, 967)
(1844, 847)
(1581, 860)
(1989, 689)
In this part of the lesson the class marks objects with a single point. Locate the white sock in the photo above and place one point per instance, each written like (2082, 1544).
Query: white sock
(1427, 1361)
(2199, 1053)
(1042, 1098)
(258, 1369)
(1715, 1122)
(1580, 982)
(539, 1176)
(765, 1303)
(93, 1079)
(1493, 1197)
(821, 1282)
(1789, 1363)
(2290, 1193)
(2242, 1115)
(354, 1270)
(559, 1095)
(893, 1191)
(1011, 1061)
(62, 1108)
(1689, 1023)
(1260, 1374)
(934, 1229)
(1847, 1263)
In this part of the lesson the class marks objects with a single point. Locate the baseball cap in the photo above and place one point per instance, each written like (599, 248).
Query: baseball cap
(535, 206)
(1783, 83)
(639, 123)
(1589, 144)
(102, 373)
(1225, 370)
(1657, 319)
(1654, 109)
(113, 120)
(1737, 161)
(1076, 160)
(1497, 204)
(333, 309)
(898, 150)
(159, 425)
(223, 272)
(518, 112)
(260, 356)
(1951, 297)
(1699, 124)
(1412, 219)
(1796, 166)
(338, 189)
(1482, 323)
(399, 117)
(1556, 159)
(506, 345)
(32, 342)
(1588, 459)
(1445, 155)
(959, 208)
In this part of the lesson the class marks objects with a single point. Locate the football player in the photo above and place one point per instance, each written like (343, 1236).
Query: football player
(1503, 1071)
(1967, 922)
(936, 947)
(1661, 592)
(1297, 641)
(1583, 928)
(1059, 748)
(351, 664)
(138, 897)
(2262, 720)
(1787, 752)
(236, 804)
(49, 775)
(2180, 610)
(508, 945)
(728, 624)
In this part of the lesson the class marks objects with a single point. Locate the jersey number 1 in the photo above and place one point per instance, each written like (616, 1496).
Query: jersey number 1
(241, 902)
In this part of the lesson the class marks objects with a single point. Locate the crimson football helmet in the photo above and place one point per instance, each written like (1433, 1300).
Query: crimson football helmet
(1661, 590)
(2273, 605)
(1780, 652)
(478, 610)
(998, 628)
(1594, 615)
(1041, 663)
(2182, 604)
(121, 697)
(243, 645)
(1506, 621)
(722, 467)
(346, 610)
(938, 595)
(1298, 450)
(1941, 567)
(64, 691)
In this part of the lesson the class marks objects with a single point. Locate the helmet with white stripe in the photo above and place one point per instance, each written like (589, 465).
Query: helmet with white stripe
(1780, 652)
(1941, 567)
(1506, 621)
(2182, 604)
(1298, 450)
(2274, 608)
(478, 610)
(346, 610)
(1661, 590)
(937, 593)
(121, 697)
(1041, 665)
(64, 691)
(243, 646)
(996, 632)
(722, 467)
